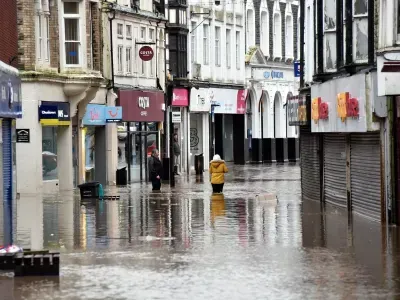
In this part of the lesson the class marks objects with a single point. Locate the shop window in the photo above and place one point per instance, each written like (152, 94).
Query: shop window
(360, 30)
(330, 58)
(49, 153)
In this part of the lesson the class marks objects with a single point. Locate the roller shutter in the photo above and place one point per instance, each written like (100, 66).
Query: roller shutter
(310, 166)
(365, 174)
(335, 191)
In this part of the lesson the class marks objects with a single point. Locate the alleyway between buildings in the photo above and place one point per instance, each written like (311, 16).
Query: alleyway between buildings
(185, 243)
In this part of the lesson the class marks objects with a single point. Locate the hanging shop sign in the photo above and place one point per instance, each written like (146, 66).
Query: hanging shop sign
(297, 110)
(319, 110)
(94, 115)
(99, 115)
(176, 117)
(23, 135)
(10, 92)
(113, 114)
(141, 106)
(180, 97)
(241, 101)
(146, 53)
(54, 113)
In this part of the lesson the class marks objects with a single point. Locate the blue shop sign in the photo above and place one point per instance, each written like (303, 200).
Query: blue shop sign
(54, 113)
(113, 114)
(94, 115)
(10, 93)
(296, 69)
(273, 74)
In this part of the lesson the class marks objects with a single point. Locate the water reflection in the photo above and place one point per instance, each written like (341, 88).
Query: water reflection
(190, 243)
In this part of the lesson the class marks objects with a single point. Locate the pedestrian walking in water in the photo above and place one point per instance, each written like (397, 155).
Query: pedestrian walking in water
(217, 173)
(155, 170)
(177, 153)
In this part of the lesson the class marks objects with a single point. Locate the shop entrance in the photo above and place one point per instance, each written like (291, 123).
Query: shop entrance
(135, 149)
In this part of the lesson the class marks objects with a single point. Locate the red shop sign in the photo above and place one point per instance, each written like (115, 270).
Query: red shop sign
(146, 53)
(141, 106)
(180, 97)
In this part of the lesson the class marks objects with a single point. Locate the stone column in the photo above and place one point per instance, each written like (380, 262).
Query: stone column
(64, 155)
(112, 145)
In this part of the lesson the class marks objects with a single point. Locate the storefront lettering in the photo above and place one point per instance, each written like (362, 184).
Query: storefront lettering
(347, 107)
(48, 112)
(144, 102)
(273, 74)
(319, 110)
(143, 113)
(94, 114)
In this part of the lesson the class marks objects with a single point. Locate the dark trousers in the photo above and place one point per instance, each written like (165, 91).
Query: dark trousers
(217, 188)
(156, 183)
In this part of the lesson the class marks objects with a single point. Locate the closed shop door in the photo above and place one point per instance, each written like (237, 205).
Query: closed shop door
(310, 166)
(365, 174)
(335, 191)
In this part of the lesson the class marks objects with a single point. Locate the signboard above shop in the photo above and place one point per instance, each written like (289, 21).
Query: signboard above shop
(54, 113)
(141, 106)
(146, 53)
(10, 92)
(180, 97)
(99, 115)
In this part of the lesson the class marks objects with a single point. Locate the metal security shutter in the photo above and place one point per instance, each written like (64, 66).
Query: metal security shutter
(7, 161)
(7, 180)
(310, 166)
(365, 174)
(335, 191)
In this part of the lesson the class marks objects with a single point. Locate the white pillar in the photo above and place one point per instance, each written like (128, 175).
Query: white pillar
(64, 158)
(29, 155)
(112, 145)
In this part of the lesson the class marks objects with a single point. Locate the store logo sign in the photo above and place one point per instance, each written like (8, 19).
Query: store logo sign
(273, 74)
(144, 102)
(319, 110)
(347, 106)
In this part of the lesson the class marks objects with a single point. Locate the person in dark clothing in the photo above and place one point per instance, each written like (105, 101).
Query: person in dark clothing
(177, 153)
(155, 170)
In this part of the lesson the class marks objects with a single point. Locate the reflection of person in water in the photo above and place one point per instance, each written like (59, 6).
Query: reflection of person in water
(217, 206)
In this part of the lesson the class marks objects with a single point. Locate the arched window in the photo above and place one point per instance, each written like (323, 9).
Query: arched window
(264, 30)
(277, 35)
(289, 37)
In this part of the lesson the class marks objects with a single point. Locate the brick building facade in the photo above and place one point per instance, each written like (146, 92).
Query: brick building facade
(8, 32)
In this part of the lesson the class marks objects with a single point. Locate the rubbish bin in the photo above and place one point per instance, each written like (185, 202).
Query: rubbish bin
(165, 163)
(90, 190)
(122, 178)
(199, 163)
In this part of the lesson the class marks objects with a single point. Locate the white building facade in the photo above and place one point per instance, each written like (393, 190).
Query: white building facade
(217, 75)
(272, 47)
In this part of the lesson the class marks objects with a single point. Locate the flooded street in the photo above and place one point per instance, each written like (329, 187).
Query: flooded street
(188, 244)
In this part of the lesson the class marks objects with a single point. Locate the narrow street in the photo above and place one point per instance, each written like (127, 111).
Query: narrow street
(187, 244)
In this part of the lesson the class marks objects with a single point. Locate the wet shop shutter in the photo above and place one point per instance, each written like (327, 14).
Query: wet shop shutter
(365, 174)
(7, 180)
(335, 191)
(310, 166)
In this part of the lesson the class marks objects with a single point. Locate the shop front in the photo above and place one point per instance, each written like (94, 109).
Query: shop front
(199, 107)
(228, 107)
(180, 112)
(10, 109)
(344, 112)
(272, 139)
(94, 141)
(54, 118)
(143, 111)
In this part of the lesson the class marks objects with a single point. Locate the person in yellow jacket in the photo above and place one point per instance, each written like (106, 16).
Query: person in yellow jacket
(217, 173)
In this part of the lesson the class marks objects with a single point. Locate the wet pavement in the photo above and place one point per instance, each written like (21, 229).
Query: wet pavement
(185, 243)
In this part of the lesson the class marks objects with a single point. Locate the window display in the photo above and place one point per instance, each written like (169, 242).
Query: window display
(49, 152)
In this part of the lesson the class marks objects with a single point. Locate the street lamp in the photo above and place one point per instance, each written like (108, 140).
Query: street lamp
(212, 148)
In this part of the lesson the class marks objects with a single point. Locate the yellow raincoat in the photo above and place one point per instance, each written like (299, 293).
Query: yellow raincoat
(217, 171)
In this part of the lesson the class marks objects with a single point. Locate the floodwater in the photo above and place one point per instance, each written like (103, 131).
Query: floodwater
(187, 244)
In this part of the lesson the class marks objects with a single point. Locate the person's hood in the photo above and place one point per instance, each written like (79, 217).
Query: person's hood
(216, 163)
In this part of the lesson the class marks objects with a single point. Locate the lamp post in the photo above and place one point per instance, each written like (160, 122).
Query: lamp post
(212, 135)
